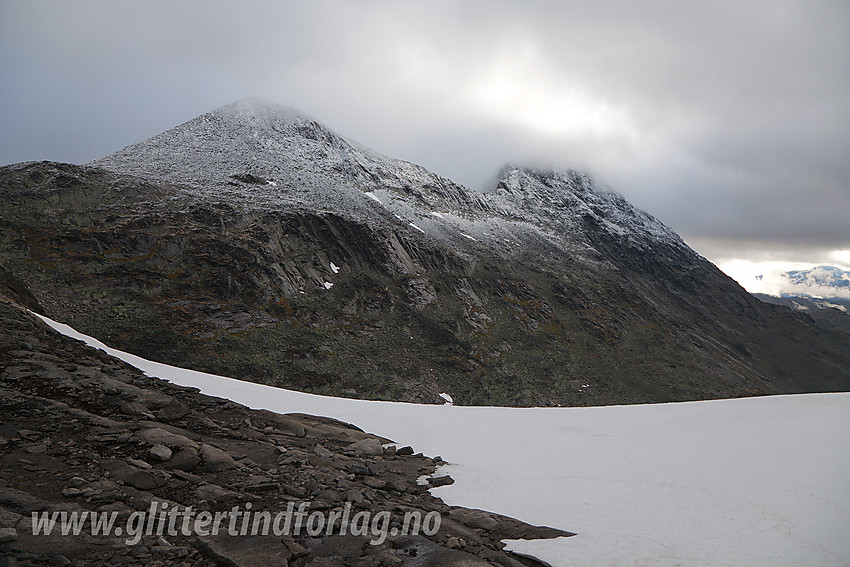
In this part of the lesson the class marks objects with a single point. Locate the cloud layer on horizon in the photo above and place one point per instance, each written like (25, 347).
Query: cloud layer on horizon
(727, 120)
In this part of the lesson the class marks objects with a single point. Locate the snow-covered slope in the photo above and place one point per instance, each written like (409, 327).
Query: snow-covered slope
(296, 162)
(747, 482)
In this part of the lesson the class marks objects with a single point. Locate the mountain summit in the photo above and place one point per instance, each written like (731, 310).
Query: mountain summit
(301, 161)
(255, 242)
(265, 155)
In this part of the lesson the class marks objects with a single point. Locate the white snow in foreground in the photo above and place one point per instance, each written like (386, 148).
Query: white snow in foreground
(327, 285)
(416, 227)
(373, 196)
(759, 481)
(334, 268)
(448, 398)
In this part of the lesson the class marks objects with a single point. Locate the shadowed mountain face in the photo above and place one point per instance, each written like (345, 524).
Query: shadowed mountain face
(827, 313)
(254, 242)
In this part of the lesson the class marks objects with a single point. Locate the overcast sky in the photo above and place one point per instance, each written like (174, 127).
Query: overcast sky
(729, 121)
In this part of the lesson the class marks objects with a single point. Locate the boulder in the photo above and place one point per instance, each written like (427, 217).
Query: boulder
(215, 493)
(8, 535)
(185, 460)
(159, 436)
(247, 551)
(214, 459)
(367, 447)
(160, 453)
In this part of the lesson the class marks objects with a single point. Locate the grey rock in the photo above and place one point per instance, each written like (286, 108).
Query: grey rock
(141, 480)
(355, 496)
(77, 482)
(420, 552)
(324, 453)
(296, 491)
(185, 460)
(159, 436)
(367, 447)
(136, 410)
(214, 459)
(160, 453)
(357, 468)
(185, 476)
(139, 464)
(8, 518)
(329, 496)
(455, 543)
(263, 487)
(474, 518)
(436, 481)
(215, 493)
(28, 434)
(132, 476)
(170, 552)
(8, 535)
(250, 551)
(499, 558)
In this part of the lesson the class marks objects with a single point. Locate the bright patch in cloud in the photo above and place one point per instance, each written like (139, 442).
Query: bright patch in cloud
(842, 257)
(520, 87)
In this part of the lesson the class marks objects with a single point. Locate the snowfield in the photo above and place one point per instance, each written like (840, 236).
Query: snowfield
(759, 481)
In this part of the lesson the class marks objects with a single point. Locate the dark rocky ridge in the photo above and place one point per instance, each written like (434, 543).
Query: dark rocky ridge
(349, 273)
(83, 431)
(826, 313)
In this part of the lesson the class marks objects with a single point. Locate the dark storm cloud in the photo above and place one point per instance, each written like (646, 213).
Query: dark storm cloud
(727, 120)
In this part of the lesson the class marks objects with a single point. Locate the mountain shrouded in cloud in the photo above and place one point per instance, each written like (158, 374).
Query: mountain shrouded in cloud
(254, 241)
(728, 122)
(822, 281)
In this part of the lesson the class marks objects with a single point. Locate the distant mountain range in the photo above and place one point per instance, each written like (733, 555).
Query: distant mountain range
(823, 282)
(828, 277)
(822, 292)
(255, 242)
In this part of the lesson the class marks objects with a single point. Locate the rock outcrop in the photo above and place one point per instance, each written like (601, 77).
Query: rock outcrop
(83, 432)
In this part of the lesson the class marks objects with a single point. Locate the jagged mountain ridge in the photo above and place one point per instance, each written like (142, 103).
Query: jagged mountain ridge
(302, 164)
(353, 273)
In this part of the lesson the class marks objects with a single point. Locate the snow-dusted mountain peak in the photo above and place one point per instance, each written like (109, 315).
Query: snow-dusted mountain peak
(572, 201)
(260, 110)
(528, 180)
(268, 156)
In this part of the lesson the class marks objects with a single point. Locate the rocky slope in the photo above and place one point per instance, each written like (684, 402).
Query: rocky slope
(254, 242)
(82, 431)
(831, 313)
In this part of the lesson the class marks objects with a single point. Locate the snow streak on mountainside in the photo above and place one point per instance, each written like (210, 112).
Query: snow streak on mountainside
(264, 155)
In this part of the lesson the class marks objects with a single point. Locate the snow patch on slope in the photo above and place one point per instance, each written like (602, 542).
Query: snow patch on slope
(748, 482)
